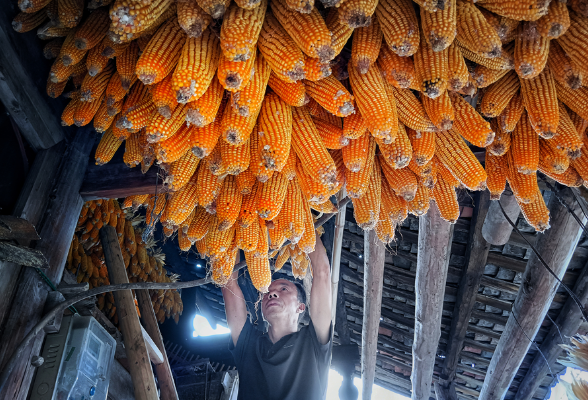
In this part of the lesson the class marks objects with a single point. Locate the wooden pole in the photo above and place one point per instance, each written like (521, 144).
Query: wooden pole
(165, 378)
(336, 258)
(556, 246)
(373, 279)
(476, 255)
(434, 248)
(445, 393)
(139, 363)
(496, 229)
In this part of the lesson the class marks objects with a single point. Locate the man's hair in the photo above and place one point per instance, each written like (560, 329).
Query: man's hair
(301, 298)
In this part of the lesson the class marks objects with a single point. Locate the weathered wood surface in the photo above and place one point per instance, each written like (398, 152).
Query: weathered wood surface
(556, 246)
(25, 256)
(19, 229)
(496, 229)
(20, 94)
(163, 371)
(445, 393)
(56, 230)
(155, 354)
(339, 321)
(476, 255)
(434, 249)
(568, 321)
(121, 385)
(373, 278)
(139, 362)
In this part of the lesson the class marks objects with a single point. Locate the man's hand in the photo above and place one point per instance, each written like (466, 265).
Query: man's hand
(320, 293)
(235, 306)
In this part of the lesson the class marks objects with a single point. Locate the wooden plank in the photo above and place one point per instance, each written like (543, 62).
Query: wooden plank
(163, 371)
(435, 236)
(14, 228)
(22, 255)
(375, 253)
(155, 354)
(556, 246)
(140, 367)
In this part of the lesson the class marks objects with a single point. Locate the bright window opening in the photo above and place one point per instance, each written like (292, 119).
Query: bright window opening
(335, 380)
(203, 328)
(558, 392)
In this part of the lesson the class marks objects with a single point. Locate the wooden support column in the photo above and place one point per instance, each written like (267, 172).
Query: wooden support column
(568, 321)
(336, 258)
(445, 393)
(496, 229)
(556, 246)
(56, 230)
(476, 256)
(163, 370)
(373, 279)
(434, 248)
(139, 363)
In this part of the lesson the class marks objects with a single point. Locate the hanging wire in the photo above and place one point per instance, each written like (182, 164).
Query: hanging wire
(556, 327)
(150, 228)
(53, 288)
(562, 201)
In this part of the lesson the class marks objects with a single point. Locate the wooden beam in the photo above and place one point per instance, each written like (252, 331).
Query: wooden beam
(435, 236)
(155, 354)
(496, 230)
(139, 365)
(163, 371)
(19, 229)
(556, 246)
(23, 255)
(335, 266)
(445, 393)
(373, 278)
(566, 324)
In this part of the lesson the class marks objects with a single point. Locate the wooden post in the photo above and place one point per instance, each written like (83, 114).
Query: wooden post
(445, 393)
(373, 279)
(568, 321)
(435, 235)
(336, 257)
(163, 371)
(556, 246)
(139, 363)
(496, 229)
(476, 255)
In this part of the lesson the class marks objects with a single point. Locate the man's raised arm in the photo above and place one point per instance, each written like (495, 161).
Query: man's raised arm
(320, 293)
(235, 306)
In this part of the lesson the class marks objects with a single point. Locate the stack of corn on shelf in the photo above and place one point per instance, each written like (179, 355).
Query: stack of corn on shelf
(144, 261)
(260, 110)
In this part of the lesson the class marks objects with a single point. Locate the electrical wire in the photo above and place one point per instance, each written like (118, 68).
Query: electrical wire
(52, 286)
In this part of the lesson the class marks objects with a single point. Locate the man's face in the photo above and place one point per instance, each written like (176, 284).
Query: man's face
(281, 301)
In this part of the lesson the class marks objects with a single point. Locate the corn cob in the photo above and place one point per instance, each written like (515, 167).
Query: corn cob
(426, 174)
(93, 30)
(395, 208)
(313, 190)
(248, 211)
(315, 70)
(208, 185)
(411, 112)
(399, 153)
(181, 204)
(215, 8)
(503, 61)
(446, 199)
(531, 51)
(145, 30)
(199, 225)
(576, 100)
(469, 124)
(563, 69)
(203, 111)
(132, 156)
(70, 12)
(475, 33)
(307, 242)
(181, 171)
(235, 75)
(114, 90)
(357, 182)
(108, 145)
(85, 111)
(459, 159)
(573, 41)
(69, 53)
(137, 118)
(240, 31)
(556, 22)
(536, 212)
(52, 12)
(215, 162)
(511, 115)
(67, 116)
(280, 50)
(431, 69)
(270, 196)
(326, 208)
(355, 154)
(398, 71)
(579, 123)
(384, 228)
(52, 48)
(192, 18)
(55, 89)
(32, 6)
(340, 32)
(331, 135)
(569, 178)
(580, 164)
(366, 46)
(102, 120)
(93, 87)
(567, 138)
(423, 146)
(248, 101)
(399, 25)
(440, 110)
(204, 139)
(236, 159)
(421, 202)
(526, 10)
(499, 95)
(331, 95)
(175, 147)
(163, 97)
(502, 139)
(440, 27)
(235, 128)
(25, 22)
(95, 61)
(496, 169)
(247, 238)
(357, 13)
(126, 64)
(52, 30)
(275, 132)
(309, 31)
(259, 270)
(228, 203)
(540, 98)
(136, 17)
(366, 209)
(256, 165)
(504, 27)
(162, 53)
(579, 6)
(354, 126)
(291, 221)
(217, 241)
(525, 147)
(160, 128)
(293, 94)
(196, 67)
(111, 49)
(484, 76)
(289, 170)
(551, 158)
(457, 74)
(283, 257)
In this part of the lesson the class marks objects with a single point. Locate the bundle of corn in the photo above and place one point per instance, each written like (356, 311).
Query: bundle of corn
(250, 120)
(144, 261)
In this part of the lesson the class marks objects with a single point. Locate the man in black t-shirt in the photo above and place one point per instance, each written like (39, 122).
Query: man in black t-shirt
(284, 363)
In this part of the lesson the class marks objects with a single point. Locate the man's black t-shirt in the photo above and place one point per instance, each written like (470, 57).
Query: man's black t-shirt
(294, 368)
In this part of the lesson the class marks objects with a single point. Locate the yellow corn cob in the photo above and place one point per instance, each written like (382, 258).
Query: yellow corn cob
(511, 115)
(183, 241)
(446, 199)
(315, 70)
(136, 118)
(270, 196)
(102, 120)
(199, 225)
(551, 158)
(340, 32)
(398, 71)
(399, 153)
(326, 208)
(579, 123)
(111, 49)
(175, 147)
(423, 146)
(136, 16)
(484, 76)
(526, 10)
(93, 87)
(411, 112)
(208, 185)
(55, 89)
(567, 138)
(459, 159)
(317, 111)
(160, 128)
(525, 147)
(95, 61)
(354, 126)
(228, 203)
(457, 74)
(245, 181)
(126, 64)
(85, 111)
(236, 159)
(108, 145)
(503, 61)
(501, 142)
(331, 135)
(132, 156)
(440, 170)
(496, 169)
(576, 100)
(247, 238)
(70, 12)
(283, 257)
(307, 242)
(469, 124)
(92, 31)
(580, 164)
(556, 22)
(540, 98)
(215, 162)
(163, 97)
(114, 90)
(240, 31)
(291, 215)
(536, 212)
(431, 69)
(366, 46)
(162, 53)
(32, 6)
(52, 48)
(312, 189)
(235, 75)
(69, 53)
(248, 211)
(235, 128)
(505, 27)
(420, 204)
(275, 132)
(366, 209)
(531, 51)
(262, 243)
(248, 101)
(289, 170)
(399, 25)
(579, 6)
(355, 154)
(67, 116)
(192, 18)
(395, 208)
(309, 31)
(570, 178)
(357, 13)
(439, 27)
(440, 110)
(357, 182)
(52, 30)
(196, 67)
(384, 228)
(426, 174)
(573, 41)
(181, 204)
(499, 95)
(216, 8)
(280, 50)
(257, 167)
(259, 270)
(293, 94)
(181, 171)
(217, 241)
(331, 95)
(203, 111)
(475, 33)
(563, 69)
